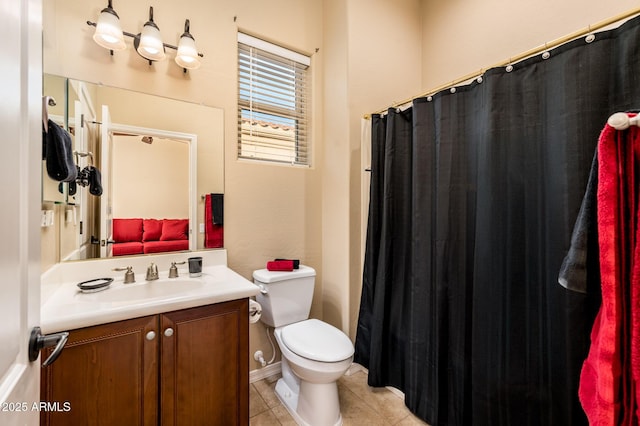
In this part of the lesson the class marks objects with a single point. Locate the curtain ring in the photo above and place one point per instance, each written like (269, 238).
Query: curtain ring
(509, 67)
(591, 36)
(546, 54)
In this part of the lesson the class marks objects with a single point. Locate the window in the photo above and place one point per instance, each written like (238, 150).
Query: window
(273, 102)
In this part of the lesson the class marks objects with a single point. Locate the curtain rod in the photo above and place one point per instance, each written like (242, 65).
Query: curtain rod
(531, 52)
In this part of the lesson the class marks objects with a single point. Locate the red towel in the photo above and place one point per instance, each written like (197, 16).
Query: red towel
(280, 265)
(609, 382)
(213, 234)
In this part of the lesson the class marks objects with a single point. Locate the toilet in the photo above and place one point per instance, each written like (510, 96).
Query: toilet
(314, 354)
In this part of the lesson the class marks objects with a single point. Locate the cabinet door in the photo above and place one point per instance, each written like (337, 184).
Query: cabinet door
(106, 375)
(205, 365)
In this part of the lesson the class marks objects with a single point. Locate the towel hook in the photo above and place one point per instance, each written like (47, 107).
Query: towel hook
(84, 154)
(47, 101)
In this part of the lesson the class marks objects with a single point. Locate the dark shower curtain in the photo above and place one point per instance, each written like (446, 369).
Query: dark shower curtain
(474, 195)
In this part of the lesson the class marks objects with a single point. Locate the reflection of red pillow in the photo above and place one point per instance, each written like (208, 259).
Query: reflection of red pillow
(175, 229)
(152, 230)
(127, 230)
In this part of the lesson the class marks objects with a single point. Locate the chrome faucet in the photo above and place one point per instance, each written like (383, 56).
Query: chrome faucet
(129, 276)
(152, 272)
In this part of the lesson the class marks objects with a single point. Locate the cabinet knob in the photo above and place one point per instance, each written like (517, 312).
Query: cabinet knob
(168, 332)
(151, 335)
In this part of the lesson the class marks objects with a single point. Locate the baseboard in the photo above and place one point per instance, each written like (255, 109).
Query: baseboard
(357, 367)
(354, 368)
(275, 368)
(264, 372)
(396, 392)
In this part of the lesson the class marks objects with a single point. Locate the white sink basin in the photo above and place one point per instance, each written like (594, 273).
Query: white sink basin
(66, 308)
(145, 290)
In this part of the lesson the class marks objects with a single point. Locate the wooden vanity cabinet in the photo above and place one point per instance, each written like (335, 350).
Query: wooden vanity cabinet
(108, 374)
(187, 367)
(204, 365)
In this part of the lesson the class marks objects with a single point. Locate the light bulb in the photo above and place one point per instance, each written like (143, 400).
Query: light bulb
(108, 32)
(187, 56)
(150, 45)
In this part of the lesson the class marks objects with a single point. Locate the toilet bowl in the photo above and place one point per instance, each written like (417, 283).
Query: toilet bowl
(308, 387)
(314, 354)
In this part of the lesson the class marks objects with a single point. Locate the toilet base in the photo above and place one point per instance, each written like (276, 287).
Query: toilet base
(327, 393)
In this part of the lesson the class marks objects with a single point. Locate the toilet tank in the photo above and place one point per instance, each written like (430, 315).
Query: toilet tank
(285, 296)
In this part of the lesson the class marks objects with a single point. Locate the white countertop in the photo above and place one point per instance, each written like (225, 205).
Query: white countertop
(66, 308)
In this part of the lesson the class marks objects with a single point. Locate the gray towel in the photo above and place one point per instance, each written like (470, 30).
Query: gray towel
(573, 272)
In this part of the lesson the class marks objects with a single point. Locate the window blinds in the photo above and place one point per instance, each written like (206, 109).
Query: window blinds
(273, 102)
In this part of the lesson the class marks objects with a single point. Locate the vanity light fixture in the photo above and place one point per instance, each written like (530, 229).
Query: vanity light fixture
(187, 56)
(108, 30)
(148, 43)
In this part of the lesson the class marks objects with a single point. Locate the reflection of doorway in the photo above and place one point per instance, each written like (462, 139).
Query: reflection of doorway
(150, 180)
(154, 178)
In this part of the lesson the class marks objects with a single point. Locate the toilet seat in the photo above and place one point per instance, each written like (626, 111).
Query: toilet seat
(318, 341)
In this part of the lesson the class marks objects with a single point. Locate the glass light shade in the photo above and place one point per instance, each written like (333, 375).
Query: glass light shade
(150, 46)
(109, 32)
(187, 56)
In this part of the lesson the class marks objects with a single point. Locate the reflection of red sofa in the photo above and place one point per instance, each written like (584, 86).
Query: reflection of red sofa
(138, 236)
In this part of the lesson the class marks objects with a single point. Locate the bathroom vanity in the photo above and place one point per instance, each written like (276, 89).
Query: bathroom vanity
(150, 353)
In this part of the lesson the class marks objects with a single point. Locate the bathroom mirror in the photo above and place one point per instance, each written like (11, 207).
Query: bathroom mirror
(164, 155)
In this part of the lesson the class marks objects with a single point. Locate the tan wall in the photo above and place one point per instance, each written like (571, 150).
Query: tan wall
(456, 38)
(373, 54)
(150, 181)
(463, 36)
(270, 211)
(163, 113)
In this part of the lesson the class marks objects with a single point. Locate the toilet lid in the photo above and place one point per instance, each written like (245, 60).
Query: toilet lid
(317, 340)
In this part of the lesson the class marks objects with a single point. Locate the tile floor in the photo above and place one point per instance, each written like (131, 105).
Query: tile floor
(360, 404)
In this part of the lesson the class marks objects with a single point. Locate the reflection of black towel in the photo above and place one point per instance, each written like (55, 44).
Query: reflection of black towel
(95, 181)
(73, 188)
(217, 208)
(44, 143)
(60, 165)
(584, 239)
